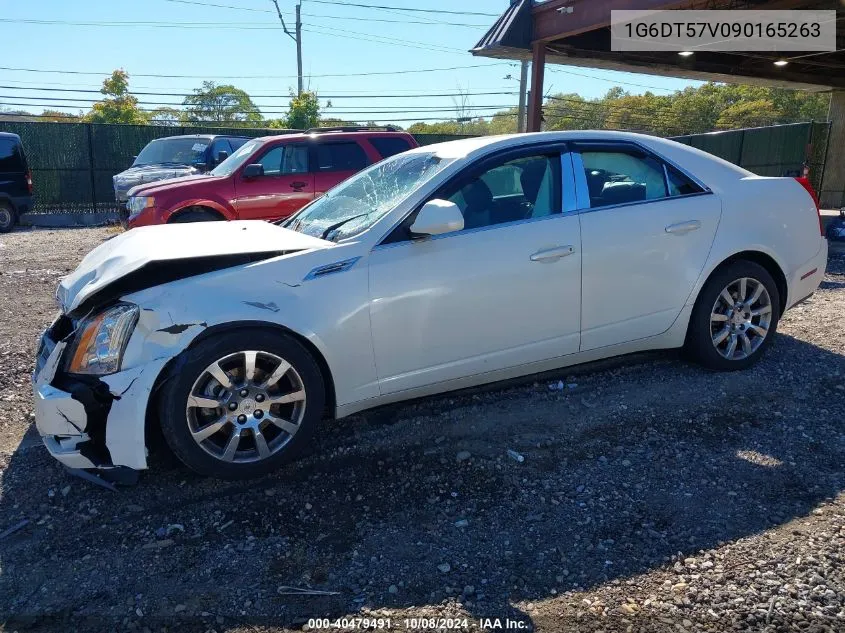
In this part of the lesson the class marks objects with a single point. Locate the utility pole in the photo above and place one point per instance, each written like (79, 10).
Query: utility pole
(296, 38)
(299, 48)
(523, 87)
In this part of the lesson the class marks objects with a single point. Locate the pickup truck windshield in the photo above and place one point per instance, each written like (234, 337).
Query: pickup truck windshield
(357, 203)
(173, 151)
(236, 159)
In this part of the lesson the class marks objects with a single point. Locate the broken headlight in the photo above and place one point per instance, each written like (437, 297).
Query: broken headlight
(137, 204)
(101, 339)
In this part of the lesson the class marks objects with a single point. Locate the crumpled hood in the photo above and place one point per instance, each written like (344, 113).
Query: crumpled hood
(141, 174)
(175, 245)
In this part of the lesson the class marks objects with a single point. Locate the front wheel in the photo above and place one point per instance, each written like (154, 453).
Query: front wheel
(242, 404)
(735, 317)
(7, 217)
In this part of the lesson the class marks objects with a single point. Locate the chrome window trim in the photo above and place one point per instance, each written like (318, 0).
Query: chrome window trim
(639, 202)
(583, 192)
(480, 229)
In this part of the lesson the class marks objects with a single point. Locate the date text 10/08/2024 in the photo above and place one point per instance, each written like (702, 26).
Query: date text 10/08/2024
(484, 624)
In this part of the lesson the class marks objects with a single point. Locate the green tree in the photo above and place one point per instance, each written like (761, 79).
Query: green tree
(303, 111)
(56, 116)
(118, 106)
(221, 104)
(166, 117)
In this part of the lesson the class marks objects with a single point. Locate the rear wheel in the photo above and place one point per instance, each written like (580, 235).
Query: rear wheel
(194, 215)
(242, 404)
(735, 317)
(7, 217)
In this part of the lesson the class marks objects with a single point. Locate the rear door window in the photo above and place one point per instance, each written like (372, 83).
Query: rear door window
(620, 177)
(11, 159)
(680, 185)
(389, 145)
(341, 156)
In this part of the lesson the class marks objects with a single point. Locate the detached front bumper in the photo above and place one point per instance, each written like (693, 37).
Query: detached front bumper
(92, 421)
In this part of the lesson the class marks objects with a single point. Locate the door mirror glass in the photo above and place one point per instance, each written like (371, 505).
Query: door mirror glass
(254, 170)
(436, 218)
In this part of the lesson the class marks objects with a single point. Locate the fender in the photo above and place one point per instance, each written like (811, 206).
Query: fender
(223, 209)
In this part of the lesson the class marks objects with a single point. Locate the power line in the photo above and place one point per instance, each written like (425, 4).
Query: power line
(220, 6)
(414, 10)
(246, 26)
(163, 76)
(322, 16)
(265, 109)
(227, 124)
(378, 39)
(279, 96)
(613, 81)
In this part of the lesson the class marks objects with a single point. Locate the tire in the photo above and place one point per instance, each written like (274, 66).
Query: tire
(714, 320)
(8, 217)
(284, 427)
(194, 215)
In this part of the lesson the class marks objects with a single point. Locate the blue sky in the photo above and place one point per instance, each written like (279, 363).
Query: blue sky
(245, 46)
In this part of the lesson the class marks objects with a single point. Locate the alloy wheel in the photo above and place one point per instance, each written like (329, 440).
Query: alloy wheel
(246, 406)
(5, 217)
(741, 318)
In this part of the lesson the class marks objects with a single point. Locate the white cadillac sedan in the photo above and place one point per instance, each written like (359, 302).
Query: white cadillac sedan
(444, 267)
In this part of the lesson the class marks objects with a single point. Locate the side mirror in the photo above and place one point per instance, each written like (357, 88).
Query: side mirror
(436, 218)
(200, 166)
(222, 155)
(253, 170)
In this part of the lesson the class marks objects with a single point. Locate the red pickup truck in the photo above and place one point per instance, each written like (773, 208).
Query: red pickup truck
(267, 178)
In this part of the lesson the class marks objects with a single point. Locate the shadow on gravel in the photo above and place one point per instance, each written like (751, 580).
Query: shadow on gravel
(640, 462)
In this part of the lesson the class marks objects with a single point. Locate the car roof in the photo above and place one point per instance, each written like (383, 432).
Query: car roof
(677, 153)
(11, 135)
(200, 136)
(300, 136)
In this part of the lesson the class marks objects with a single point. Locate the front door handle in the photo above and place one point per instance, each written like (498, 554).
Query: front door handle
(298, 184)
(552, 254)
(683, 227)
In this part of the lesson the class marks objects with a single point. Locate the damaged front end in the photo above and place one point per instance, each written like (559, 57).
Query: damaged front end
(90, 421)
(123, 320)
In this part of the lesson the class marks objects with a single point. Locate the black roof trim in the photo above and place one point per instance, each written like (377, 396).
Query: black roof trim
(512, 30)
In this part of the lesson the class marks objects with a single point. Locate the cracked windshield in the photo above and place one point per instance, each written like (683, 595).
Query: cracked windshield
(361, 201)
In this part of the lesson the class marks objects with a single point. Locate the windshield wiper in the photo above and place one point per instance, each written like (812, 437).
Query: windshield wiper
(341, 223)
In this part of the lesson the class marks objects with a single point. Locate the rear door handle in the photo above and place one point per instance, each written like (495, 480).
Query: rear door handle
(298, 185)
(683, 227)
(552, 254)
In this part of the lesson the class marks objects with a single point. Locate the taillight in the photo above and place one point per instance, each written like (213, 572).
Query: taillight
(805, 182)
(29, 181)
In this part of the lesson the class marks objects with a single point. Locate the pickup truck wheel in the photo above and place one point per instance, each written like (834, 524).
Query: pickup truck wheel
(243, 403)
(7, 217)
(735, 317)
(194, 215)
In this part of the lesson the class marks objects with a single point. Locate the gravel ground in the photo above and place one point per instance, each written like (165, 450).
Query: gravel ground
(653, 496)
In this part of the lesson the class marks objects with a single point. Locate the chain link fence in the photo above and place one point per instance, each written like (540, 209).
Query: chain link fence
(73, 163)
